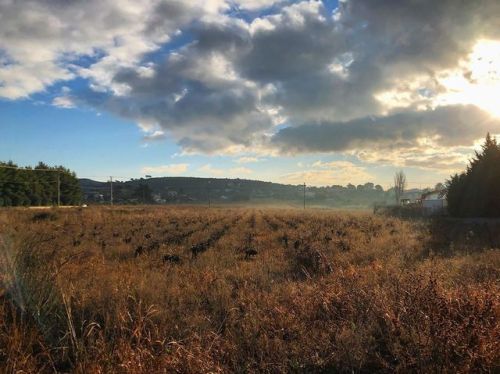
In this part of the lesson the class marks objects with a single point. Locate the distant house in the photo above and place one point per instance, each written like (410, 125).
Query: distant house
(405, 201)
(172, 194)
(433, 202)
(98, 197)
(158, 199)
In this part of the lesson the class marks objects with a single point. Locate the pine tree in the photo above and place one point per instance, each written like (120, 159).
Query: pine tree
(37, 186)
(476, 192)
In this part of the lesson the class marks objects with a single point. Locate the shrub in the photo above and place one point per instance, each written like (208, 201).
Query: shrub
(44, 216)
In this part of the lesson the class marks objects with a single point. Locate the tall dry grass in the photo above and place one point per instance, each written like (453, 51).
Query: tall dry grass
(325, 293)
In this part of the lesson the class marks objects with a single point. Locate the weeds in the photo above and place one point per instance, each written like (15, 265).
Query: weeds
(321, 293)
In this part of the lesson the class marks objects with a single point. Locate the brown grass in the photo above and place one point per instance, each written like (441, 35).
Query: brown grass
(326, 292)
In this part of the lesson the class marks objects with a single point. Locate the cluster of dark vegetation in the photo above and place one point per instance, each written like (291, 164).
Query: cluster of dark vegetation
(121, 290)
(37, 186)
(476, 192)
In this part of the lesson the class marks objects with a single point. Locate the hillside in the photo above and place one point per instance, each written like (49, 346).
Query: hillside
(167, 190)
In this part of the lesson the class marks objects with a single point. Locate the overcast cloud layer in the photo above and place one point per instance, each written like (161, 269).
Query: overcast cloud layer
(451, 125)
(223, 76)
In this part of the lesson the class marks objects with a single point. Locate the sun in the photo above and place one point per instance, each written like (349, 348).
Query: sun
(477, 81)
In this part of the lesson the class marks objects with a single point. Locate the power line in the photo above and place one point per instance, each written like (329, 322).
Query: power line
(58, 190)
(209, 194)
(111, 189)
(29, 169)
(304, 195)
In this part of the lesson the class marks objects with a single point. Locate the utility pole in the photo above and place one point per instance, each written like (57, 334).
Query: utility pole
(304, 195)
(111, 189)
(209, 194)
(58, 189)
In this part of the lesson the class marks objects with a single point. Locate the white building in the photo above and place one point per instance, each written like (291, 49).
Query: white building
(433, 202)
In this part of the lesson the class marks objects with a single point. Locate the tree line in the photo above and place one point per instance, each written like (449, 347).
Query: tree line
(37, 186)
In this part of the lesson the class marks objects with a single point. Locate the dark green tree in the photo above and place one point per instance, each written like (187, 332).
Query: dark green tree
(476, 192)
(37, 186)
(143, 193)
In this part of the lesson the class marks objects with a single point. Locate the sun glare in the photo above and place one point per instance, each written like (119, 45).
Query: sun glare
(478, 81)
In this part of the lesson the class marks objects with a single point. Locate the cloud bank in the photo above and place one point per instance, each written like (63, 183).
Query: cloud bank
(447, 126)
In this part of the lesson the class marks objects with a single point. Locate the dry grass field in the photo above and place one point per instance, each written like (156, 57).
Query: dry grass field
(192, 290)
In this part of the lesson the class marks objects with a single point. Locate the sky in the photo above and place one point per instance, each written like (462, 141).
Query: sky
(322, 92)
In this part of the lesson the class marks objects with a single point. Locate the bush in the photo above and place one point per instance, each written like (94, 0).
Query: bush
(44, 216)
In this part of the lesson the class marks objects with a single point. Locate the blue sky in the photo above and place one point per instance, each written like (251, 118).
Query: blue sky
(273, 90)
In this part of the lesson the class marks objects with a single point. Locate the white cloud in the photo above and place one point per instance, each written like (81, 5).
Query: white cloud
(247, 160)
(240, 171)
(154, 136)
(211, 171)
(256, 4)
(174, 169)
(477, 79)
(344, 165)
(63, 102)
(427, 155)
(329, 173)
(44, 40)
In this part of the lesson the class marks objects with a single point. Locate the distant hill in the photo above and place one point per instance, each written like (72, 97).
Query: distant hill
(178, 190)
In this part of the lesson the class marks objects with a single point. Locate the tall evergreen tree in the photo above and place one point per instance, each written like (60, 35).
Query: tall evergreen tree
(476, 192)
(37, 186)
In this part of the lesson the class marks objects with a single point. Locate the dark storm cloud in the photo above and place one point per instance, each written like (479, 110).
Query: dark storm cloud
(300, 39)
(167, 15)
(449, 126)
